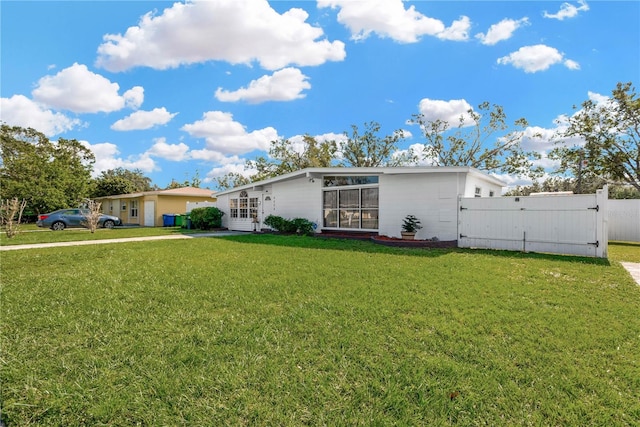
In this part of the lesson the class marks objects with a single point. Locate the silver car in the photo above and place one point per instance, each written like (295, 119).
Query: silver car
(63, 218)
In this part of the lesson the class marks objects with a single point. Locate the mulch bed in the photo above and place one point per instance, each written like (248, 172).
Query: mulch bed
(389, 241)
(400, 243)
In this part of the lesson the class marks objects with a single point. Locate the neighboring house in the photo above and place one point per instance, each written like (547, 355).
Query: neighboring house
(146, 208)
(360, 199)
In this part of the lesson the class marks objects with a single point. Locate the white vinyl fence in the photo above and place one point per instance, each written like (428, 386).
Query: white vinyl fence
(624, 220)
(562, 224)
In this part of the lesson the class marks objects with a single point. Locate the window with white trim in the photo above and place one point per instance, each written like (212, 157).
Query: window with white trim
(355, 206)
(133, 213)
(239, 208)
(478, 192)
(233, 208)
(253, 207)
(243, 202)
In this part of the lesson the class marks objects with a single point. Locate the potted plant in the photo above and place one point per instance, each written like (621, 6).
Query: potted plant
(410, 227)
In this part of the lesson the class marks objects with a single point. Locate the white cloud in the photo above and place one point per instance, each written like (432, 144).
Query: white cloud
(21, 111)
(79, 90)
(597, 98)
(298, 145)
(536, 58)
(567, 10)
(140, 120)
(106, 155)
(503, 30)
(134, 97)
(457, 31)
(331, 136)
(389, 18)
(174, 152)
(238, 167)
(562, 121)
(546, 163)
(449, 111)
(236, 31)
(214, 157)
(284, 85)
(512, 181)
(224, 135)
(419, 150)
(536, 138)
(571, 64)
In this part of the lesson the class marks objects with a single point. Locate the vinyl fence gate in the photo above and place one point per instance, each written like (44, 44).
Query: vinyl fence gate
(562, 224)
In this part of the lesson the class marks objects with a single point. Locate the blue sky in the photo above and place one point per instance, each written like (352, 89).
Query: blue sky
(177, 89)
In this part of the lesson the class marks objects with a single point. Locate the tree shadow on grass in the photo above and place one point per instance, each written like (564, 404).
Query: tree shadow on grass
(367, 246)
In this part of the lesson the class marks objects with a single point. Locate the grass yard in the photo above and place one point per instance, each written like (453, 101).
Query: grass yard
(30, 234)
(273, 330)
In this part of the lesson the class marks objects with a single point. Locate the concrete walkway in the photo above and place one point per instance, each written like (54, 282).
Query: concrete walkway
(634, 269)
(124, 240)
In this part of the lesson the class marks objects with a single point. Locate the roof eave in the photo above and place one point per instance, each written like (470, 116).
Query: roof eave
(319, 172)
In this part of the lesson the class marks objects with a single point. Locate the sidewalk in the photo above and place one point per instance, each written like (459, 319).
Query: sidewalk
(634, 269)
(124, 240)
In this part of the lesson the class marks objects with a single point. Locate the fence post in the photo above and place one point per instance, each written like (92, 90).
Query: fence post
(602, 222)
(458, 231)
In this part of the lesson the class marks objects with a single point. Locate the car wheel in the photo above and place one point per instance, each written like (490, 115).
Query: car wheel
(109, 224)
(58, 226)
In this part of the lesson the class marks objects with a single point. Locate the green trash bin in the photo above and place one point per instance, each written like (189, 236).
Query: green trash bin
(179, 220)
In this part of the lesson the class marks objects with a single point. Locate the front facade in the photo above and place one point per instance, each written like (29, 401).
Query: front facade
(147, 208)
(360, 199)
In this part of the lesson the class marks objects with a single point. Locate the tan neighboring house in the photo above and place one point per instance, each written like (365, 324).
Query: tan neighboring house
(148, 207)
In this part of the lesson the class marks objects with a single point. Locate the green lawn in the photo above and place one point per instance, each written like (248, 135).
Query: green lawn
(31, 234)
(624, 251)
(286, 330)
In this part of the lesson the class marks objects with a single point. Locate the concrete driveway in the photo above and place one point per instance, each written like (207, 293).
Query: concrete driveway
(124, 240)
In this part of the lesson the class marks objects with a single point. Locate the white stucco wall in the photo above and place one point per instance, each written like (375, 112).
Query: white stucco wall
(473, 181)
(298, 198)
(431, 198)
(223, 205)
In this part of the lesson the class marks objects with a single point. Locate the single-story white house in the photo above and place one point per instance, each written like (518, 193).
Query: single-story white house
(372, 199)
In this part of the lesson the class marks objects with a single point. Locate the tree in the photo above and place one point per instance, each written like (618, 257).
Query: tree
(288, 156)
(370, 150)
(588, 186)
(121, 181)
(195, 182)
(175, 184)
(47, 175)
(484, 145)
(11, 216)
(611, 134)
(231, 180)
(91, 216)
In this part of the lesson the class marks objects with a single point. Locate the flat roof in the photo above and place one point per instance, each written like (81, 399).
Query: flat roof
(400, 170)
